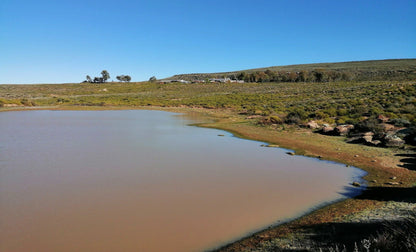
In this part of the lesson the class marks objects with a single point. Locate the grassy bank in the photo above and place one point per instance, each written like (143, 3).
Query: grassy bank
(391, 171)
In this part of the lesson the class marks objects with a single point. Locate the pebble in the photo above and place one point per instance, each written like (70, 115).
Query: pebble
(392, 183)
(273, 146)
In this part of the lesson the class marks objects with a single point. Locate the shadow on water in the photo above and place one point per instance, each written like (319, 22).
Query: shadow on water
(352, 192)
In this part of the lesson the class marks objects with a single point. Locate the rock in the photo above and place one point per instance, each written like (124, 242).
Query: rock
(393, 178)
(387, 127)
(356, 156)
(367, 139)
(343, 130)
(364, 138)
(408, 135)
(290, 153)
(271, 120)
(376, 142)
(327, 129)
(312, 125)
(373, 181)
(383, 119)
(393, 141)
(273, 146)
(253, 116)
(356, 184)
(220, 135)
(392, 183)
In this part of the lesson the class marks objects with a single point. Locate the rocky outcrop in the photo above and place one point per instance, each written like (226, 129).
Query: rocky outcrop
(387, 127)
(383, 119)
(393, 141)
(343, 130)
(366, 138)
(327, 130)
(312, 125)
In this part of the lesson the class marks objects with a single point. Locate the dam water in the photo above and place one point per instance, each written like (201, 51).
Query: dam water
(146, 181)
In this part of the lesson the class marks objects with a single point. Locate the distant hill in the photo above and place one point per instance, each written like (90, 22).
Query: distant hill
(394, 69)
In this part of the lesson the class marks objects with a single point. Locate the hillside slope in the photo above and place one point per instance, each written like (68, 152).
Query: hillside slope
(397, 69)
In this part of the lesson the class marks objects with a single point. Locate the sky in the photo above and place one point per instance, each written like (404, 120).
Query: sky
(63, 41)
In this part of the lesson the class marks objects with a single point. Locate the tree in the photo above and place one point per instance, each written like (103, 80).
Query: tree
(152, 79)
(241, 76)
(89, 79)
(105, 75)
(125, 78)
(98, 80)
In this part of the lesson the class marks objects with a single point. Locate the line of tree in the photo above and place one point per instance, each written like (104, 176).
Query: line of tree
(302, 76)
(104, 77)
(323, 75)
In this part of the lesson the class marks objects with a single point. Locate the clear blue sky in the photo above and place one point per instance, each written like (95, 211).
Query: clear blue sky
(59, 41)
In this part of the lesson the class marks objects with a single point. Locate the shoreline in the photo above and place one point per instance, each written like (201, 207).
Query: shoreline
(380, 164)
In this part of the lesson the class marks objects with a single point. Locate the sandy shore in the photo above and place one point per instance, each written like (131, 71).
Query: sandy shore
(390, 196)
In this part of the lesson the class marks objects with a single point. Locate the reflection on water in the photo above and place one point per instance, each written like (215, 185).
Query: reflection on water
(145, 181)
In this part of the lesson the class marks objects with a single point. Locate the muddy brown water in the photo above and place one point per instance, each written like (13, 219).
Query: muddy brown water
(146, 181)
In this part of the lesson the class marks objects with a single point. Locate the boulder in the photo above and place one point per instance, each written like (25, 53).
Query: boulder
(383, 119)
(365, 138)
(393, 141)
(408, 135)
(387, 127)
(312, 125)
(327, 129)
(368, 138)
(376, 142)
(369, 133)
(343, 130)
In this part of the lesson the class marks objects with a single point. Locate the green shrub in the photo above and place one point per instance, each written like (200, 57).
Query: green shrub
(400, 122)
(370, 124)
(25, 102)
